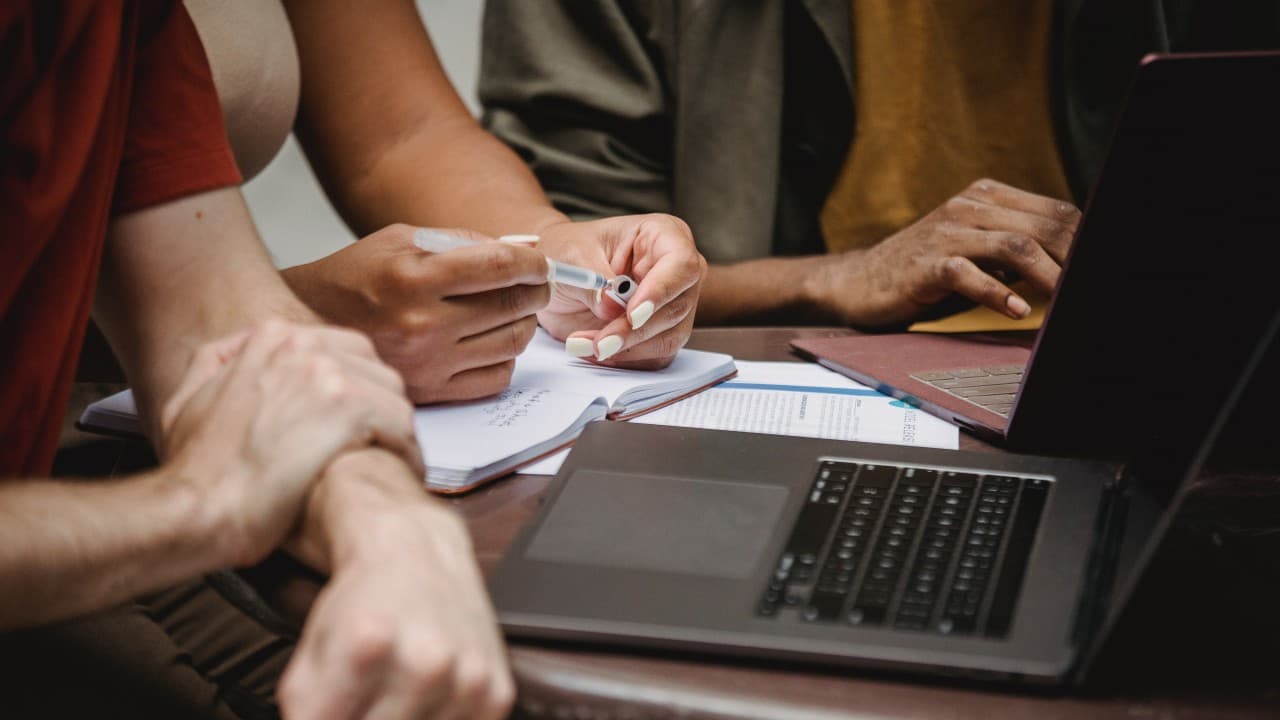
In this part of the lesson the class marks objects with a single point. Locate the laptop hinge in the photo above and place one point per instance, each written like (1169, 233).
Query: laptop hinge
(1100, 572)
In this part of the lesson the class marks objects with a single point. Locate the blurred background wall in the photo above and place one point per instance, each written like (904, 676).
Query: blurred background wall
(291, 211)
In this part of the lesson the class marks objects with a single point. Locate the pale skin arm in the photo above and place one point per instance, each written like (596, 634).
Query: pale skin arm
(170, 277)
(68, 548)
(262, 416)
(180, 274)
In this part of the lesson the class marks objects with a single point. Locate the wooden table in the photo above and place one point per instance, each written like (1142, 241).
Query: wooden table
(1201, 639)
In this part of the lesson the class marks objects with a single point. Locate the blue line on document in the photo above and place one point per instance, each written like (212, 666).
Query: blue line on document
(862, 392)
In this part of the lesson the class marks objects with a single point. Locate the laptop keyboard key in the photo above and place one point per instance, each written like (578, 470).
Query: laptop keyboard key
(911, 548)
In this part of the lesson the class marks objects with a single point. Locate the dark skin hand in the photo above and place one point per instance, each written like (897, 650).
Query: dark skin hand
(968, 248)
(957, 248)
(451, 323)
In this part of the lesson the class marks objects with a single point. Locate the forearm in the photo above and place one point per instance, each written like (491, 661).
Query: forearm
(363, 498)
(472, 180)
(764, 291)
(389, 136)
(179, 275)
(68, 548)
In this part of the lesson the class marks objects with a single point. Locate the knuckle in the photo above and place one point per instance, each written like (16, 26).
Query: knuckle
(512, 301)
(425, 669)
(269, 330)
(696, 265)
(674, 222)
(992, 290)
(1020, 247)
(951, 270)
(513, 340)
(372, 641)
(471, 679)
(500, 260)
(1050, 229)
(525, 329)
(362, 343)
(978, 186)
(669, 344)
(407, 271)
(411, 323)
(292, 691)
(954, 207)
(681, 306)
(502, 694)
(328, 378)
(498, 378)
(504, 371)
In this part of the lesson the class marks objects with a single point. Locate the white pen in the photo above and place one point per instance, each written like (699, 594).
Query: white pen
(563, 273)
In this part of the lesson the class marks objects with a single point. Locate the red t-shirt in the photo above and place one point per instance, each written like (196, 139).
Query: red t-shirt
(105, 107)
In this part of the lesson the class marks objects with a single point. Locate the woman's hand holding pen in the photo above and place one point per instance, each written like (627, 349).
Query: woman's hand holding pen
(657, 251)
(451, 323)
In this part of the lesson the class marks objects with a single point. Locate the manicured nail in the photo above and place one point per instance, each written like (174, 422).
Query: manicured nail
(551, 274)
(607, 347)
(519, 239)
(641, 315)
(1018, 306)
(579, 347)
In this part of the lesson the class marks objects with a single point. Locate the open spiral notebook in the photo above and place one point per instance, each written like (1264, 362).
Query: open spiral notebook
(550, 400)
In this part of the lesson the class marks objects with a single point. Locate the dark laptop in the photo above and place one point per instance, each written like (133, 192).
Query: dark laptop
(1174, 254)
(996, 566)
(985, 565)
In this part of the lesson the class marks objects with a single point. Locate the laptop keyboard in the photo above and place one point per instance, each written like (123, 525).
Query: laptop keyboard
(880, 545)
(993, 388)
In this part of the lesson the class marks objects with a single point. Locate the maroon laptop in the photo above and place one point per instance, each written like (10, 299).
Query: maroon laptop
(1168, 283)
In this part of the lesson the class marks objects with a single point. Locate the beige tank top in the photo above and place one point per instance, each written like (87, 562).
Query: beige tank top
(255, 67)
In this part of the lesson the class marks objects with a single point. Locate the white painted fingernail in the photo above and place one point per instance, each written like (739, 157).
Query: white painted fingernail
(641, 314)
(607, 347)
(519, 239)
(579, 347)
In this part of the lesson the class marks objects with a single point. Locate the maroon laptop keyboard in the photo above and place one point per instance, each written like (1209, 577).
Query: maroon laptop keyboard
(993, 388)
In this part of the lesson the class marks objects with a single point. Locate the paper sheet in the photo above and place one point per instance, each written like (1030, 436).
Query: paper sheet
(801, 399)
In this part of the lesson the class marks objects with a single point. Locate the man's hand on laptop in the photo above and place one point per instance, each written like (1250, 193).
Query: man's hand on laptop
(961, 247)
(403, 628)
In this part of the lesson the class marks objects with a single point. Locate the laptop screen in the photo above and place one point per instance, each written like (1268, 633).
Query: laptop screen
(1168, 301)
(1171, 277)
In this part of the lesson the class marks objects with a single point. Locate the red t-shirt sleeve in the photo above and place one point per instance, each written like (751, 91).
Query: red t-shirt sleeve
(176, 143)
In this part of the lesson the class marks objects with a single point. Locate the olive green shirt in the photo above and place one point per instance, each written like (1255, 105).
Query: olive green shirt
(737, 115)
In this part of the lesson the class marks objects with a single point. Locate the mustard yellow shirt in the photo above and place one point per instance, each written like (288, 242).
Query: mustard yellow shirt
(946, 92)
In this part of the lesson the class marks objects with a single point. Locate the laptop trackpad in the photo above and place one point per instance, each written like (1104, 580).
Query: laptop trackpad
(667, 524)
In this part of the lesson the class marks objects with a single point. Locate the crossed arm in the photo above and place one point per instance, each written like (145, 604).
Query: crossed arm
(403, 626)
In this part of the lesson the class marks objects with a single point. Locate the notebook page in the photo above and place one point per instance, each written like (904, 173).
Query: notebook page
(482, 437)
(544, 364)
